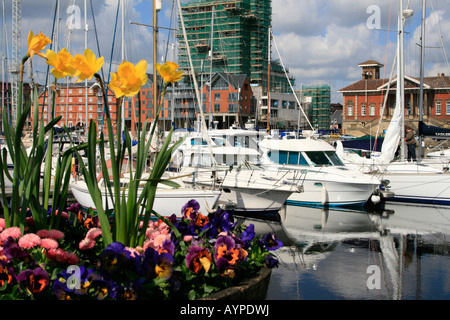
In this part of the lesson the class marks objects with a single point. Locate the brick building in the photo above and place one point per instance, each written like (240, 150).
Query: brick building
(71, 104)
(363, 101)
(232, 99)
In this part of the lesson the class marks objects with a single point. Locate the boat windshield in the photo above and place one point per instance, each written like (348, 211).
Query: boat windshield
(324, 158)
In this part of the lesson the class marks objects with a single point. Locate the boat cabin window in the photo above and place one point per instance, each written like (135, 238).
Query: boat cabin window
(288, 157)
(198, 142)
(223, 159)
(324, 158)
(219, 141)
(334, 158)
(242, 141)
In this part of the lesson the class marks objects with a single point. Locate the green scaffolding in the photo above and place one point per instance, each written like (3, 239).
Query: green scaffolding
(319, 110)
(240, 37)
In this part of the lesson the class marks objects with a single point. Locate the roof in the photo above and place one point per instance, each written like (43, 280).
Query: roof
(370, 63)
(296, 145)
(235, 80)
(438, 82)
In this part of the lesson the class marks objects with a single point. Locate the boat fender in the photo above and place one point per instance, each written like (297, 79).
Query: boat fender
(375, 198)
(324, 195)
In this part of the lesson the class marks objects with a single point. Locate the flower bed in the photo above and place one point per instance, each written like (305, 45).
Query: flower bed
(212, 254)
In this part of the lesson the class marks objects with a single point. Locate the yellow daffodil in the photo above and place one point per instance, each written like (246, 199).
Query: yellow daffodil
(168, 72)
(86, 66)
(129, 79)
(36, 43)
(62, 63)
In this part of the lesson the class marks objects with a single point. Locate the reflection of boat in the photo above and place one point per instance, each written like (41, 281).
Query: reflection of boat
(305, 223)
(335, 252)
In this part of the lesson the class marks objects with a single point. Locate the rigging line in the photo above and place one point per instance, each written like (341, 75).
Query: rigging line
(110, 63)
(441, 38)
(96, 36)
(289, 81)
(170, 31)
(48, 66)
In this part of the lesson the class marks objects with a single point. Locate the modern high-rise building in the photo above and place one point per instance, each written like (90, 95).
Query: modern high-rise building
(232, 36)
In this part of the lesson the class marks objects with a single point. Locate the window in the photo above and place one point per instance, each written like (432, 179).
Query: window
(80, 99)
(318, 158)
(217, 107)
(363, 109)
(372, 109)
(334, 158)
(288, 157)
(438, 107)
(233, 96)
(217, 96)
(350, 108)
(232, 107)
(80, 90)
(324, 158)
(447, 107)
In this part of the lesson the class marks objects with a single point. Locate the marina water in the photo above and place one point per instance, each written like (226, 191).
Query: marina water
(399, 253)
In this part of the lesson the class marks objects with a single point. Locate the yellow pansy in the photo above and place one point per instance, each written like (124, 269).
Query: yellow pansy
(62, 63)
(86, 66)
(129, 79)
(36, 43)
(168, 72)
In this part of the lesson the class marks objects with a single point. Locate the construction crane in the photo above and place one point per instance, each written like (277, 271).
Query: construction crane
(15, 57)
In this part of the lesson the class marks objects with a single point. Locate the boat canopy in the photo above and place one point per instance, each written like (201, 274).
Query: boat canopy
(433, 132)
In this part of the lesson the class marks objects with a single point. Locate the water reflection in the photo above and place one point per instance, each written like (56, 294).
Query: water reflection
(401, 252)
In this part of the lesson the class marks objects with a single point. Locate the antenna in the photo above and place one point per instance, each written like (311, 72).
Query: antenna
(15, 57)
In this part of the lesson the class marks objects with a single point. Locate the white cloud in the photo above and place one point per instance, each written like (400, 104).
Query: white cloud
(320, 41)
(323, 41)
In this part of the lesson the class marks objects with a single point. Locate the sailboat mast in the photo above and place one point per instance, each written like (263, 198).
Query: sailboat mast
(122, 123)
(400, 97)
(210, 67)
(86, 81)
(422, 63)
(268, 82)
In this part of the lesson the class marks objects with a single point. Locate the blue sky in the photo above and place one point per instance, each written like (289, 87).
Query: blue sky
(320, 41)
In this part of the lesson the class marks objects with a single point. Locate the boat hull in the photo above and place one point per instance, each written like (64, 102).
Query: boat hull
(247, 190)
(332, 194)
(419, 188)
(167, 201)
(251, 200)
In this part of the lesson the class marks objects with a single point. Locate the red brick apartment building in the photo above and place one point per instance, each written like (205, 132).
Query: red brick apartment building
(363, 101)
(232, 99)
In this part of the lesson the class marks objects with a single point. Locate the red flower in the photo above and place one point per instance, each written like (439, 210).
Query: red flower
(35, 281)
(198, 258)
